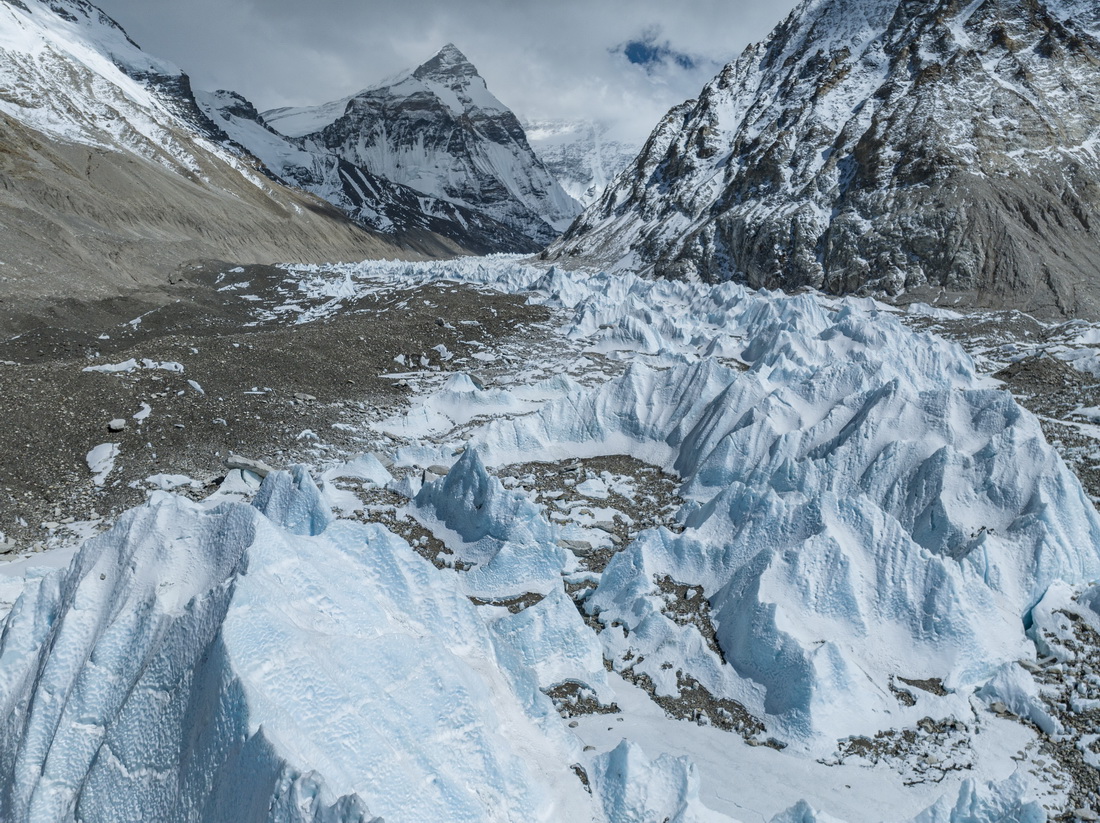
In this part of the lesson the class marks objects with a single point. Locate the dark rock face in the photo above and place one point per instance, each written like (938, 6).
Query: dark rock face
(403, 212)
(437, 134)
(413, 219)
(881, 146)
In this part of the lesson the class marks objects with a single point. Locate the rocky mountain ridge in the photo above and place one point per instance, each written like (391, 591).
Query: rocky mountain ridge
(436, 136)
(398, 211)
(111, 178)
(927, 150)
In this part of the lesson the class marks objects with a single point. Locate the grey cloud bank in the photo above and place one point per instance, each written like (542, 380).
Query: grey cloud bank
(625, 62)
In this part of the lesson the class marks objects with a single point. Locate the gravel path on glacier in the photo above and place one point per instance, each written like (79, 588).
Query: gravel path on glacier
(215, 373)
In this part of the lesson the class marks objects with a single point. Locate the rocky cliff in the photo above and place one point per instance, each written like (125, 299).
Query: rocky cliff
(942, 150)
(440, 133)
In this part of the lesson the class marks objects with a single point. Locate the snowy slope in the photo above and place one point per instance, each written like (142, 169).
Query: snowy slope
(583, 155)
(298, 121)
(109, 156)
(865, 528)
(440, 131)
(404, 213)
(880, 146)
(69, 71)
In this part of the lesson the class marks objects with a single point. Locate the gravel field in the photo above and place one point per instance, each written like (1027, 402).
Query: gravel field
(268, 390)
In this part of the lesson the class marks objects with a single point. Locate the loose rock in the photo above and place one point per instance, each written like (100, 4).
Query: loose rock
(257, 467)
(578, 547)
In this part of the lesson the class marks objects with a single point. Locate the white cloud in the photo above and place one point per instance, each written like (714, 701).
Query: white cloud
(561, 59)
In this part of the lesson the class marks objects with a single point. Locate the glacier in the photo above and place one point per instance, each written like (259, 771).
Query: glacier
(861, 510)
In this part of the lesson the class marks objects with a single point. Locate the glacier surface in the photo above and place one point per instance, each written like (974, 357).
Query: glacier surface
(860, 510)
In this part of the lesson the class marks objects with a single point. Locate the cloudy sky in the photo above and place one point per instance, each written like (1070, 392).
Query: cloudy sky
(622, 61)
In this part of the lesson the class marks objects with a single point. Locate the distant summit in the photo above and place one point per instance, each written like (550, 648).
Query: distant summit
(449, 62)
(881, 146)
(581, 154)
(436, 135)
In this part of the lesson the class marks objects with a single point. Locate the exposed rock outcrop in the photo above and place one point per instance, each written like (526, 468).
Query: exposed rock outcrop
(932, 149)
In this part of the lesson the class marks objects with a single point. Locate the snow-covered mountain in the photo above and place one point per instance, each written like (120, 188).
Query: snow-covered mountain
(414, 219)
(881, 145)
(439, 132)
(583, 155)
(108, 156)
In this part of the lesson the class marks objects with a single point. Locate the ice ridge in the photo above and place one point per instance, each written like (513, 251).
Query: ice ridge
(861, 506)
(199, 664)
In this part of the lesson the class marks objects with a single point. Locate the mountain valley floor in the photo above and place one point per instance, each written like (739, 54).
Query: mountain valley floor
(249, 367)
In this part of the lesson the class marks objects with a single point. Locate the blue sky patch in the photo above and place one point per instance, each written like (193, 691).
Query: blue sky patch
(650, 53)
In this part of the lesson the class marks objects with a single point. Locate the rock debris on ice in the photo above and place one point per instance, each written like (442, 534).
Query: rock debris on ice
(857, 507)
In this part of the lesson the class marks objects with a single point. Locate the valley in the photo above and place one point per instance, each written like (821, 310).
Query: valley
(400, 458)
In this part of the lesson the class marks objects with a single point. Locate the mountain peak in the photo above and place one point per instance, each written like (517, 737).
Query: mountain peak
(231, 104)
(452, 53)
(860, 150)
(448, 62)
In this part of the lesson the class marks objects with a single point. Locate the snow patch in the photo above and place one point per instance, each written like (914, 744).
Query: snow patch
(101, 461)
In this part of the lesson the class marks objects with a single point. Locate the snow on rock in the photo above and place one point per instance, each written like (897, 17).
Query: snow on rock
(133, 365)
(115, 368)
(458, 401)
(168, 482)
